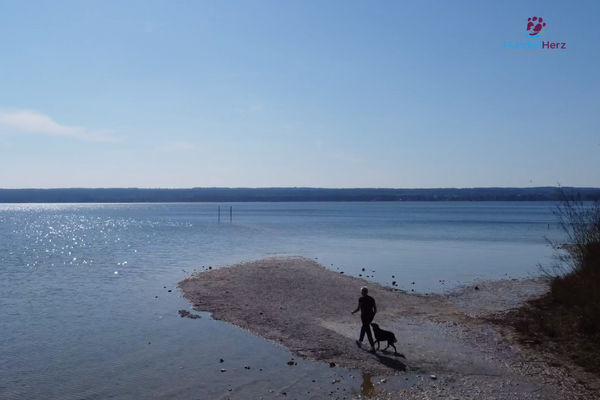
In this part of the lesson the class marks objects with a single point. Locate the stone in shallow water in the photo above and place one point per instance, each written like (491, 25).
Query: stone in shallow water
(187, 314)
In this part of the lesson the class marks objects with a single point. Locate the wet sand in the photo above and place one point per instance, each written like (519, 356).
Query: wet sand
(445, 344)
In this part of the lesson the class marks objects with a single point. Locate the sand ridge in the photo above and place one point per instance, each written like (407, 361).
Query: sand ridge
(306, 307)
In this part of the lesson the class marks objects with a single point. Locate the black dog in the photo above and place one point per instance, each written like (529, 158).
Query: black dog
(384, 336)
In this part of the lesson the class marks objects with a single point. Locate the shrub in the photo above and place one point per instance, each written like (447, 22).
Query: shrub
(576, 281)
(579, 290)
(567, 318)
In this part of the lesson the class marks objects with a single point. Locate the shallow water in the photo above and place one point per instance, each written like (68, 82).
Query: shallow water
(79, 312)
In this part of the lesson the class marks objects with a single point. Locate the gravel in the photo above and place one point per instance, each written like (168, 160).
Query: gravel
(302, 305)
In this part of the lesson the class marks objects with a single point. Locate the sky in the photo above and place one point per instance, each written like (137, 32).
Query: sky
(298, 93)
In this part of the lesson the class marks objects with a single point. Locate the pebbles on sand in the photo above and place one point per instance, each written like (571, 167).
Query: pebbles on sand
(297, 302)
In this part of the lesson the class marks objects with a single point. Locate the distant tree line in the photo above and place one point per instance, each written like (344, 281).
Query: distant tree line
(134, 195)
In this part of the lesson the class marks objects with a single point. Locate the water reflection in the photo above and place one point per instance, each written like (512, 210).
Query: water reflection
(366, 388)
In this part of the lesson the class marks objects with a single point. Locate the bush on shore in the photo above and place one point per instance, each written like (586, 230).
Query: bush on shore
(567, 318)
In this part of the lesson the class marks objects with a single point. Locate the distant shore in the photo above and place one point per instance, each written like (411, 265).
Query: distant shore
(289, 194)
(304, 306)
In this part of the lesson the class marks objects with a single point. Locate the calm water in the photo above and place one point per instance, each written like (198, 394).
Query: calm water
(79, 312)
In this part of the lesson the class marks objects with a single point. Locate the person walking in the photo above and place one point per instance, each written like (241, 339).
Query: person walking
(368, 309)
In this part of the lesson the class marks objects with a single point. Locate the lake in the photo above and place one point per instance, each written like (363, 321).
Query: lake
(88, 303)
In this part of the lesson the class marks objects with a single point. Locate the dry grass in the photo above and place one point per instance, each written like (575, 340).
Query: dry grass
(567, 318)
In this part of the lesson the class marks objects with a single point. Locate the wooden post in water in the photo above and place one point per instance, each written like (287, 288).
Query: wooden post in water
(230, 213)
(219, 213)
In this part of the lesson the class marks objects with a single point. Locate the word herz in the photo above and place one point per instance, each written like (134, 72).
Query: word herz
(548, 45)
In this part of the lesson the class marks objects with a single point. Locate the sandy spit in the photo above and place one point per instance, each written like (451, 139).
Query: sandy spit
(445, 340)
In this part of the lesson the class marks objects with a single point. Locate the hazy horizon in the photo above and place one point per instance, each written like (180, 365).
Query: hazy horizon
(305, 187)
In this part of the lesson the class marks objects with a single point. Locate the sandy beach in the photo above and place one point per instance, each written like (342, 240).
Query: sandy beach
(446, 343)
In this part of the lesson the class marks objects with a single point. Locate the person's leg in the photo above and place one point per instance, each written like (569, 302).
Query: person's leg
(369, 336)
(362, 333)
(367, 328)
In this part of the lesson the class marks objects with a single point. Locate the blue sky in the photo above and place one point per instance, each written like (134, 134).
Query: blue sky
(401, 94)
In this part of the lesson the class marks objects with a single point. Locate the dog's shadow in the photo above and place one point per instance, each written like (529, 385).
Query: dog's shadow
(391, 362)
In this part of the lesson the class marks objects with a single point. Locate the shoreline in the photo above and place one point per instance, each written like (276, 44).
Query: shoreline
(290, 300)
(306, 307)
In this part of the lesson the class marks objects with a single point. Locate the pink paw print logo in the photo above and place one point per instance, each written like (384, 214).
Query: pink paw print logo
(534, 26)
